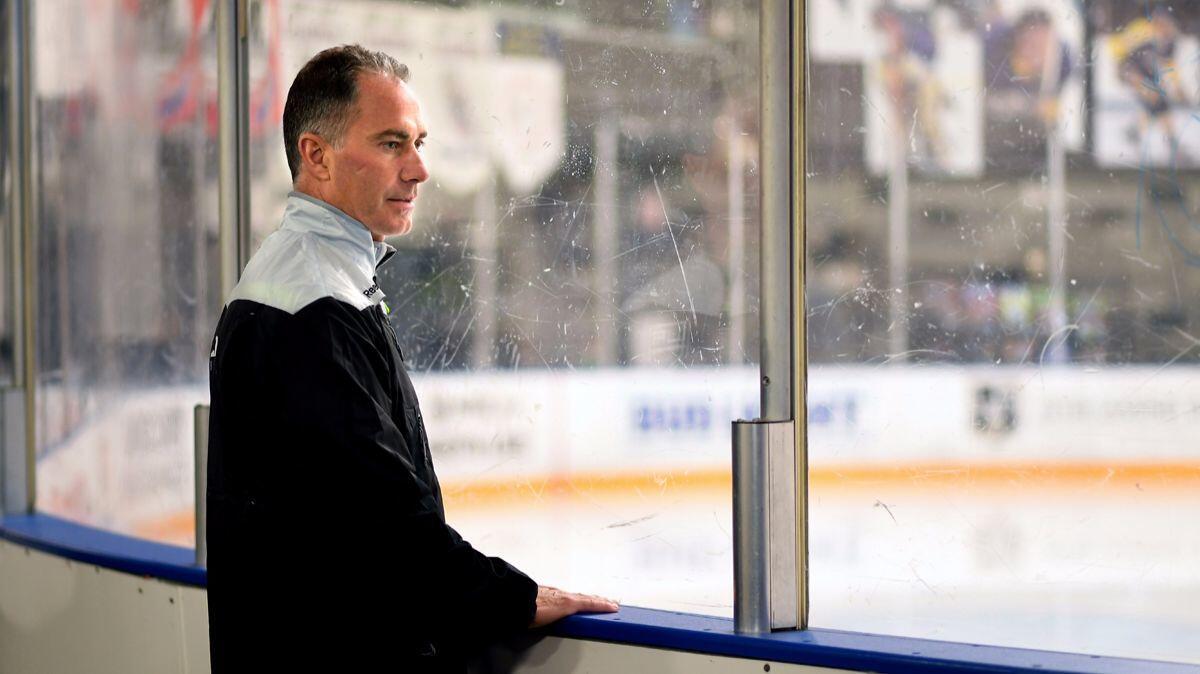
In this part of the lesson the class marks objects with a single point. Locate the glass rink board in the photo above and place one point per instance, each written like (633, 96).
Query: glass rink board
(1001, 259)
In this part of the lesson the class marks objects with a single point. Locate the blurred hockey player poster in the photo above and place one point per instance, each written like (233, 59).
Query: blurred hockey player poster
(1147, 88)
(836, 28)
(1033, 78)
(922, 80)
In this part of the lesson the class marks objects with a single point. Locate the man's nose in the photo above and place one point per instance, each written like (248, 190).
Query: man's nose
(414, 170)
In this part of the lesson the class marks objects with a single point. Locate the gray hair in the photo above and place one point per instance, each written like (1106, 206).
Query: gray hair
(322, 97)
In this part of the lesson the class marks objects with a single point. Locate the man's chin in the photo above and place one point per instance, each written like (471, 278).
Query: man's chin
(395, 228)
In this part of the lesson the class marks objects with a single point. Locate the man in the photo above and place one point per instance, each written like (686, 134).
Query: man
(327, 543)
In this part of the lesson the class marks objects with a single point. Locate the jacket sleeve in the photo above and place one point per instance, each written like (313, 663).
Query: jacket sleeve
(332, 386)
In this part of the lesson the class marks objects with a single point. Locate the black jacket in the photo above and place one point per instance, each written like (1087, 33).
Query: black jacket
(328, 548)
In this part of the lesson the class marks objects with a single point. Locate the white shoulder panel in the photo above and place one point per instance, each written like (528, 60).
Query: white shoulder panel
(294, 269)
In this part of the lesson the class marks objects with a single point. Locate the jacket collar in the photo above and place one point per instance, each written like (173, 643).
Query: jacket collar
(308, 214)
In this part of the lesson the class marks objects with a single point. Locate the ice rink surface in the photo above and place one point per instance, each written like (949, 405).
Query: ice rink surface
(1105, 568)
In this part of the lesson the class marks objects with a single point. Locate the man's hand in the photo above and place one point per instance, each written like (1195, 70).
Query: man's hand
(553, 604)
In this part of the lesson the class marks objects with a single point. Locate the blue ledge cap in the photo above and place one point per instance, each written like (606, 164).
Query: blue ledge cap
(842, 650)
(636, 626)
(103, 548)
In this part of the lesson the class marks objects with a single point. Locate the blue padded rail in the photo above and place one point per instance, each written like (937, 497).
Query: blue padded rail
(843, 650)
(635, 626)
(86, 544)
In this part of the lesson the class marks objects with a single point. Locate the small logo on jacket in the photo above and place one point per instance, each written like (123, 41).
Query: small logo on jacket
(372, 290)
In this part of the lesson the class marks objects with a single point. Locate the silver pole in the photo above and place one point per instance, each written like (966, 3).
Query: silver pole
(14, 487)
(200, 436)
(768, 457)
(751, 530)
(775, 309)
(485, 247)
(1056, 233)
(605, 237)
(1056, 207)
(16, 218)
(202, 320)
(233, 136)
(233, 153)
(796, 440)
(20, 443)
(897, 288)
(735, 186)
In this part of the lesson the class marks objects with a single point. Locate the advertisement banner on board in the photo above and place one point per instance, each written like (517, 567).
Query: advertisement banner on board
(129, 466)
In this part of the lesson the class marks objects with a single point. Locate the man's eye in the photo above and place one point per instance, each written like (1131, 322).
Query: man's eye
(420, 144)
(392, 145)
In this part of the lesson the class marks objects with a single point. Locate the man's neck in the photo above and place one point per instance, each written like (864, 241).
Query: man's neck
(306, 188)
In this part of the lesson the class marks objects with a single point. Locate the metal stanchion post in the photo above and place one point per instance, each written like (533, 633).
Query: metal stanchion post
(200, 414)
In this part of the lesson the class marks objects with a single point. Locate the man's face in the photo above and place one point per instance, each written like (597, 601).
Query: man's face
(1166, 27)
(375, 171)
(1031, 47)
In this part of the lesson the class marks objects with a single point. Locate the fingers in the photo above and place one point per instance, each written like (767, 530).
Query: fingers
(592, 604)
(574, 601)
(554, 604)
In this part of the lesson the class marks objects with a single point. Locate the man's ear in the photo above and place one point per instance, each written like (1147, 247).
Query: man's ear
(314, 156)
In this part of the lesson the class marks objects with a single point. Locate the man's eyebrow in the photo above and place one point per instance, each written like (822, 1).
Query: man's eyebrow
(397, 133)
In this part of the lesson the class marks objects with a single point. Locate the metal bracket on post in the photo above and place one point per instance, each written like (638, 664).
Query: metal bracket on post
(200, 414)
(765, 566)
